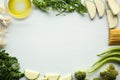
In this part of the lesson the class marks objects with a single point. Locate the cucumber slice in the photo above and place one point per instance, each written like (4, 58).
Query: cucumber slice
(52, 76)
(31, 75)
(67, 77)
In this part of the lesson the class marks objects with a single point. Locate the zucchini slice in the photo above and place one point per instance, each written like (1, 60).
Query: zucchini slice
(100, 7)
(114, 6)
(112, 19)
(91, 9)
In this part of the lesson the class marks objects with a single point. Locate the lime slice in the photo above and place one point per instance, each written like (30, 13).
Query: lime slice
(67, 77)
(29, 74)
(41, 79)
(52, 76)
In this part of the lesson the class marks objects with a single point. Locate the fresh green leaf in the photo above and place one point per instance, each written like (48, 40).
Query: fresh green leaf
(9, 67)
(61, 6)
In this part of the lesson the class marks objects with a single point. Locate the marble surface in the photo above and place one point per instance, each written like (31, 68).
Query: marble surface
(57, 44)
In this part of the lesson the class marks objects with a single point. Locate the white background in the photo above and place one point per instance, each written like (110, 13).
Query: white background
(57, 44)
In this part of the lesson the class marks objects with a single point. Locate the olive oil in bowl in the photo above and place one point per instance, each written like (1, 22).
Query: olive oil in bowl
(19, 8)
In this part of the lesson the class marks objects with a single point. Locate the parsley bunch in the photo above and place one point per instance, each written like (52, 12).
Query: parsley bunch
(9, 67)
(61, 5)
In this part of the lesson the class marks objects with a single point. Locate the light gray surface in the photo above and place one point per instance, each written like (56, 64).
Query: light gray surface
(57, 44)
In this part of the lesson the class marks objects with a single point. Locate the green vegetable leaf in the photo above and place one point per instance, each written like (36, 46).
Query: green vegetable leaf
(9, 67)
(61, 6)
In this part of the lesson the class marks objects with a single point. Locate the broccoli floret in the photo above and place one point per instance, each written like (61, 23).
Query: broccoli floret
(110, 73)
(97, 79)
(80, 75)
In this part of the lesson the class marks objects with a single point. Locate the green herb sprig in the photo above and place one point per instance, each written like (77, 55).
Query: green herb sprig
(61, 6)
(9, 67)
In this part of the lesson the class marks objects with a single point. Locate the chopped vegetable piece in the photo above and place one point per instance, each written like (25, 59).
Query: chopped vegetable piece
(4, 20)
(110, 73)
(67, 77)
(52, 76)
(29, 74)
(112, 19)
(80, 75)
(100, 7)
(91, 8)
(114, 6)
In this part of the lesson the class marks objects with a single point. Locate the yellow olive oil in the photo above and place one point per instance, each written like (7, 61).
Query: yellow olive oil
(19, 8)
